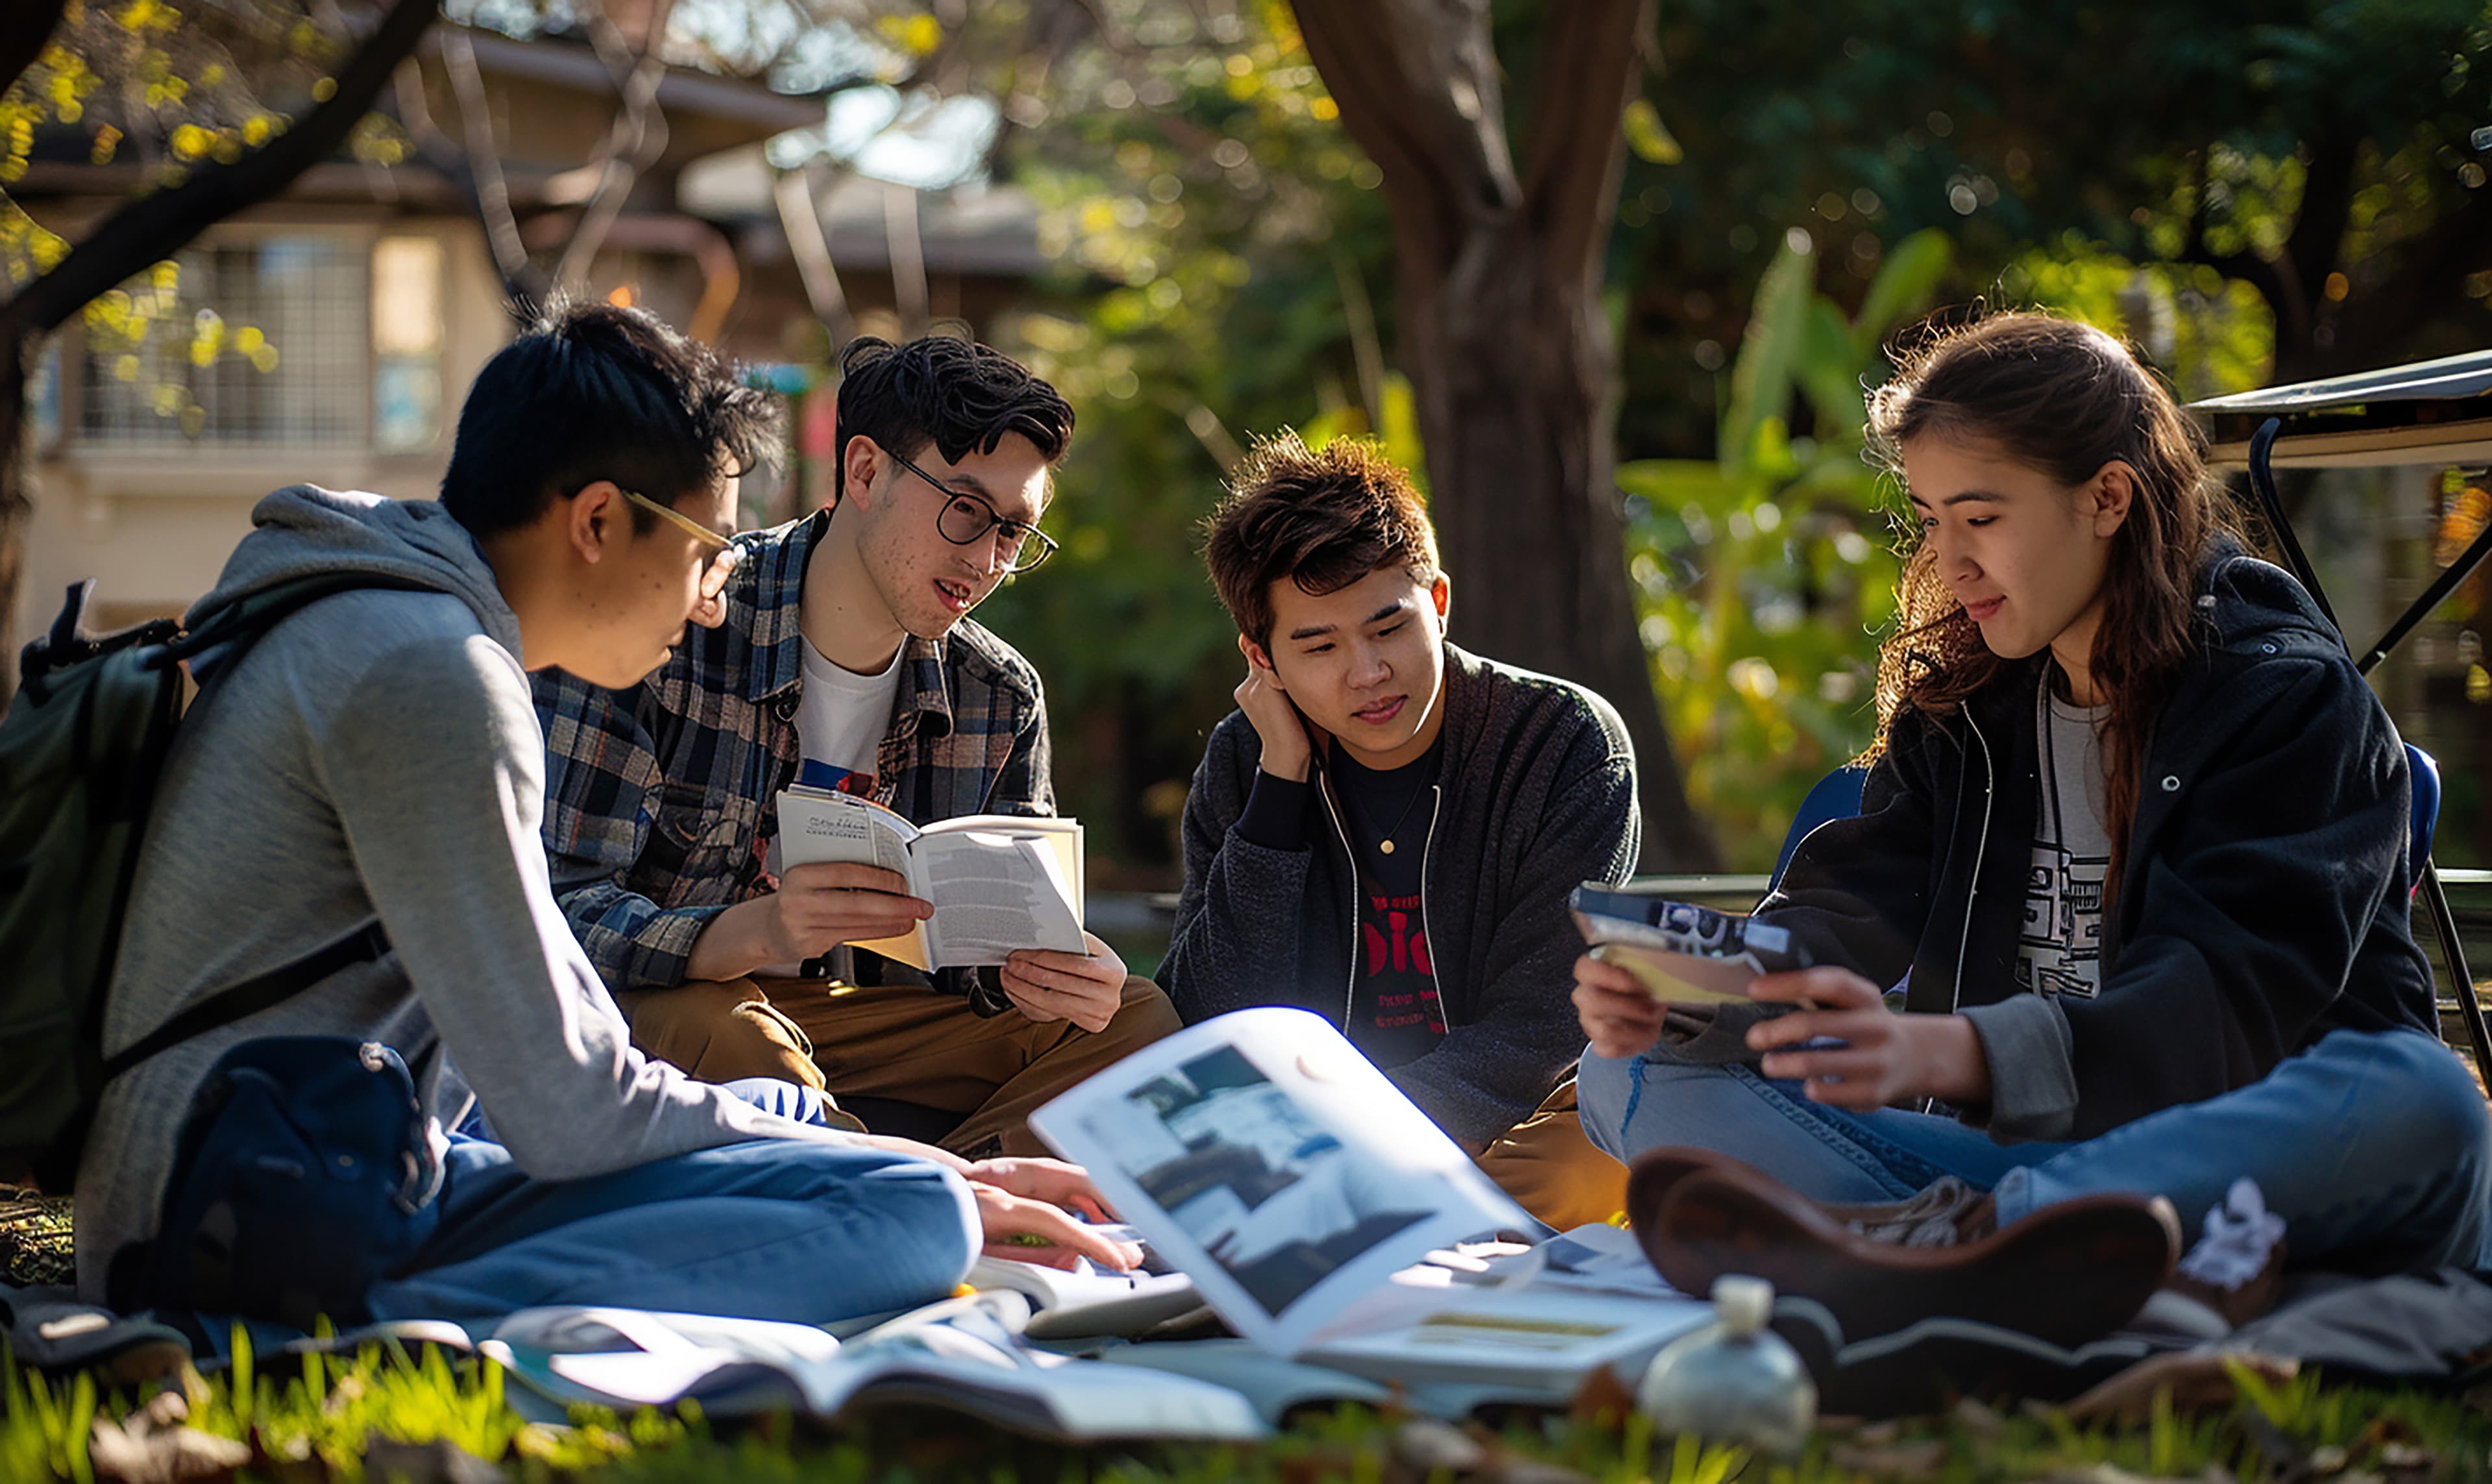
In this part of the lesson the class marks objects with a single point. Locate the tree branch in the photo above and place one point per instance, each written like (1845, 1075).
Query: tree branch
(2318, 225)
(153, 227)
(638, 138)
(1589, 60)
(1416, 81)
(25, 39)
(489, 192)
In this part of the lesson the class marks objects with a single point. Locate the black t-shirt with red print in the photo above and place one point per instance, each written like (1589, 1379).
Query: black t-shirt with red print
(1395, 1016)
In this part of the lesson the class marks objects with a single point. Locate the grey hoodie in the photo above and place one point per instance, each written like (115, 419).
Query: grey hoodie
(376, 753)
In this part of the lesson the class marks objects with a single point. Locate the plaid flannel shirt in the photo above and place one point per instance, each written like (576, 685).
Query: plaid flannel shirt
(661, 799)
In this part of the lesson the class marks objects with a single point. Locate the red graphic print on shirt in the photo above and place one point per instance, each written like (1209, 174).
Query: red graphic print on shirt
(1399, 979)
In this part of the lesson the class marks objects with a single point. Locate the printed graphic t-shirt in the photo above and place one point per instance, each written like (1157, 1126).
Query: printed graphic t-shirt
(841, 718)
(1395, 1016)
(2059, 950)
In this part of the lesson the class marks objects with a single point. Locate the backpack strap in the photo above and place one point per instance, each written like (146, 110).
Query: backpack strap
(247, 619)
(364, 945)
(242, 624)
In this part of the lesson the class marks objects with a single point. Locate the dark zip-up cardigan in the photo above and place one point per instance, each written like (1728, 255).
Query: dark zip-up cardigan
(1535, 794)
(2262, 899)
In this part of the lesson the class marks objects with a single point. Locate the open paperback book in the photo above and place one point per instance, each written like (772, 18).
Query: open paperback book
(998, 882)
(1087, 1300)
(966, 1353)
(1261, 1155)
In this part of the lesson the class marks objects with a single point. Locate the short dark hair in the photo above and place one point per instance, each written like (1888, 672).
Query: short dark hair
(1321, 517)
(598, 391)
(955, 394)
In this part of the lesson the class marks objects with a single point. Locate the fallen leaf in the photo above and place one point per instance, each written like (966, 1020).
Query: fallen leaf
(1428, 1445)
(1518, 1469)
(156, 1445)
(1603, 1400)
(1892, 1460)
(2195, 1379)
(438, 1461)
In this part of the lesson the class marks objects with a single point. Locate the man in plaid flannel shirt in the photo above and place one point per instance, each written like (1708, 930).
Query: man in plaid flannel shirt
(846, 659)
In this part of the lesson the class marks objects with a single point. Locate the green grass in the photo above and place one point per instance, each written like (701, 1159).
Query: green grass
(320, 1418)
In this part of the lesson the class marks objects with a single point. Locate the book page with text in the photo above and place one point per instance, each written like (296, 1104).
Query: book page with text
(994, 894)
(814, 827)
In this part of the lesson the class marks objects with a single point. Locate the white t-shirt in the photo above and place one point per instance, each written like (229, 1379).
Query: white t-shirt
(840, 722)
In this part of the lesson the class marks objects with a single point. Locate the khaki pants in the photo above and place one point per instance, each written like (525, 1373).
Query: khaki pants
(903, 1042)
(1552, 1170)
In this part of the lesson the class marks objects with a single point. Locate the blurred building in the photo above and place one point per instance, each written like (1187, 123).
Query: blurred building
(357, 308)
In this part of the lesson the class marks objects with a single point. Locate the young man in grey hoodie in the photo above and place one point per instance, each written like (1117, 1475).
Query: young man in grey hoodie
(376, 757)
(1386, 829)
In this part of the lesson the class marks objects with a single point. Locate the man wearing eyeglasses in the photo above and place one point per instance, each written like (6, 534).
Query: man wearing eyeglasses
(846, 660)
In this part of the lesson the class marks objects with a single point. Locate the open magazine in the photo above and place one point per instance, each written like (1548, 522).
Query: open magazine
(998, 882)
(1679, 952)
(1261, 1155)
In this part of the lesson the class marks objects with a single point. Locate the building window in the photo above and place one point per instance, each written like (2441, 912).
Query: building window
(278, 353)
(406, 343)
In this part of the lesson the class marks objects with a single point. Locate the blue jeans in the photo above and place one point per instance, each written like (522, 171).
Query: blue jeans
(772, 1229)
(2374, 1147)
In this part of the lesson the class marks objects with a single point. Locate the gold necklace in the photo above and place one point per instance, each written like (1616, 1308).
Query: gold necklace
(1386, 844)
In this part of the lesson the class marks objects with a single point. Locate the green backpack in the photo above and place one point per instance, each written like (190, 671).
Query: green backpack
(80, 748)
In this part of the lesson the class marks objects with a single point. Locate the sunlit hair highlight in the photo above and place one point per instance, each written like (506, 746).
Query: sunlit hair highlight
(1321, 517)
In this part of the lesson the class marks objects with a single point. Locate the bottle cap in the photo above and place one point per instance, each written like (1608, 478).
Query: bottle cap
(1742, 1304)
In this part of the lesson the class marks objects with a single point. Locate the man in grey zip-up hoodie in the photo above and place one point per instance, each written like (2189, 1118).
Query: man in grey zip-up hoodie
(1386, 829)
(375, 757)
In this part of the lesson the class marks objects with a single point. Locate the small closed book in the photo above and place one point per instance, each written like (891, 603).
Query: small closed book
(998, 882)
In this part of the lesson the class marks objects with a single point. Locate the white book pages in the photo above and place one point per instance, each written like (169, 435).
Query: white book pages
(963, 1354)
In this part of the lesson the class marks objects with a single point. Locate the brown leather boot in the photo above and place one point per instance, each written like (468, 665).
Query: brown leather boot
(2069, 1273)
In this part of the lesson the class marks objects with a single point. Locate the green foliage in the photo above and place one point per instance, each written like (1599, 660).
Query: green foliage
(1761, 575)
(2211, 335)
(1869, 122)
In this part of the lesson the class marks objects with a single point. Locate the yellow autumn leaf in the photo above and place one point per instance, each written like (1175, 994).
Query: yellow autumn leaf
(1649, 136)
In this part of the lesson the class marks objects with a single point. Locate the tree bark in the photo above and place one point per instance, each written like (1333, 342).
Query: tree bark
(1503, 337)
(150, 229)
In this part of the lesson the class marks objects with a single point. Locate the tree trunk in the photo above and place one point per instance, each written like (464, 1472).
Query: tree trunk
(1505, 340)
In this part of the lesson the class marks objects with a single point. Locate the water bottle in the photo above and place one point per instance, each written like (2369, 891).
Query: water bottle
(1734, 1381)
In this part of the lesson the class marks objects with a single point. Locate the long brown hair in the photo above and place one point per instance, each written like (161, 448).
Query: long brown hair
(2064, 398)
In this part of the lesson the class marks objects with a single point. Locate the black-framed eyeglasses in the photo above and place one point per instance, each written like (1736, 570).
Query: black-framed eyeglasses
(965, 520)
